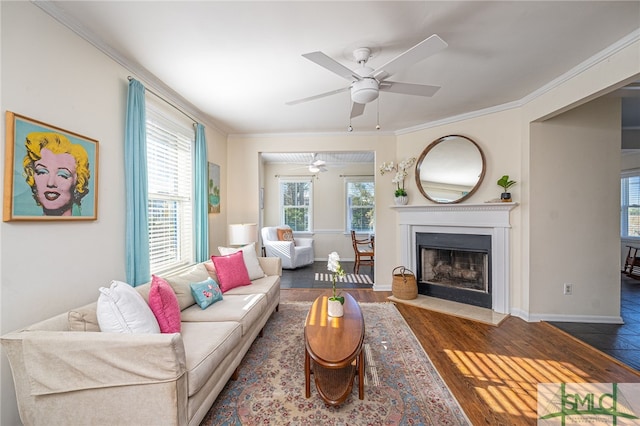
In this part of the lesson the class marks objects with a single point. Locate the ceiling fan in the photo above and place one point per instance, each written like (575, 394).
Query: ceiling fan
(316, 166)
(366, 82)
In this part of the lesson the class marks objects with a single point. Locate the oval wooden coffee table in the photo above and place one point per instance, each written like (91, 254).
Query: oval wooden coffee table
(333, 350)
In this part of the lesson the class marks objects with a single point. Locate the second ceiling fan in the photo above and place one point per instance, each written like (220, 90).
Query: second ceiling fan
(366, 82)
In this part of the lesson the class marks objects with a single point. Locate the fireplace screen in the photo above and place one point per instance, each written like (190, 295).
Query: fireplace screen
(461, 269)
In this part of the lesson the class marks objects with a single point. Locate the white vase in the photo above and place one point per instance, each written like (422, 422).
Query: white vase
(335, 308)
(402, 200)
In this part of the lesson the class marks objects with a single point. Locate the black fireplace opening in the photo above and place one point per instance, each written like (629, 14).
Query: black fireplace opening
(455, 267)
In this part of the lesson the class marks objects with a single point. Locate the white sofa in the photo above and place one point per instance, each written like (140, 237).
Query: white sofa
(68, 372)
(293, 254)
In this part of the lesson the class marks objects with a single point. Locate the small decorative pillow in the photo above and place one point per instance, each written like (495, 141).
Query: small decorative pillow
(250, 259)
(231, 271)
(121, 309)
(211, 270)
(206, 293)
(285, 234)
(164, 305)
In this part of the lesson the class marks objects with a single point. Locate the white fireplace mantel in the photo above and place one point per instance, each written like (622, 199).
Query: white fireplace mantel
(481, 219)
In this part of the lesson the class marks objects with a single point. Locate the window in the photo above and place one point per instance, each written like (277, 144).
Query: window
(360, 205)
(295, 204)
(630, 205)
(170, 145)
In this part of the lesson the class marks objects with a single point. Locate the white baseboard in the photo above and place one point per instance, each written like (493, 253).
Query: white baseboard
(604, 319)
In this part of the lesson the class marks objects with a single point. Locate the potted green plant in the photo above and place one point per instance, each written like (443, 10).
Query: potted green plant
(505, 183)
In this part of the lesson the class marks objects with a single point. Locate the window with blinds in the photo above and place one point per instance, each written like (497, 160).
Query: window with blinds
(295, 204)
(360, 204)
(170, 146)
(630, 205)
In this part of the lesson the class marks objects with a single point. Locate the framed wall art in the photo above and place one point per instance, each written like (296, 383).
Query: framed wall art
(214, 188)
(50, 173)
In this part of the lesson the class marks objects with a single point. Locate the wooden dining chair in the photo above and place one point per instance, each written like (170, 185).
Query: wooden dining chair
(364, 250)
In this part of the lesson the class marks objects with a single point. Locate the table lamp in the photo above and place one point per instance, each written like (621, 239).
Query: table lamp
(242, 234)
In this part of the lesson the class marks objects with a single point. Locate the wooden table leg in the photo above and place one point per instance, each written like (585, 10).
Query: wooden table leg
(361, 374)
(307, 374)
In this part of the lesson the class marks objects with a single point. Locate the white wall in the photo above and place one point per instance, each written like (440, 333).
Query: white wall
(575, 222)
(52, 75)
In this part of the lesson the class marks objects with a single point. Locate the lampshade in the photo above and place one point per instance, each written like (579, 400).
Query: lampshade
(242, 234)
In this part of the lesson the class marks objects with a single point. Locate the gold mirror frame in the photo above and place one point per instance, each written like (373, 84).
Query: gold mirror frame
(456, 166)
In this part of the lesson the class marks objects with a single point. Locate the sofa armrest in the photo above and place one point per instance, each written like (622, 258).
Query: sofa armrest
(60, 361)
(304, 242)
(280, 248)
(271, 265)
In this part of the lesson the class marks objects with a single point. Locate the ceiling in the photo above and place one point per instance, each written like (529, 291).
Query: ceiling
(236, 64)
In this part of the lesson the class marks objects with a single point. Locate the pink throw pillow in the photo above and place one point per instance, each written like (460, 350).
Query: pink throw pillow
(231, 270)
(164, 305)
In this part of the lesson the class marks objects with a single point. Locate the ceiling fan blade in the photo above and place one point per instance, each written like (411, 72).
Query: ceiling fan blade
(420, 51)
(321, 95)
(409, 88)
(357, 109)
(332, 65)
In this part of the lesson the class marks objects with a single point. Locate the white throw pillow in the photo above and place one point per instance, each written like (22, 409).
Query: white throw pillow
(250, 259)
(121, 309)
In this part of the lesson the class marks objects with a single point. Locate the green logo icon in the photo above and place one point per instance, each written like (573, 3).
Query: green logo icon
(584, 403)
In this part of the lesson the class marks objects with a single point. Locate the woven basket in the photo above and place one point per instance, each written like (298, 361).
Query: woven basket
(404, 284)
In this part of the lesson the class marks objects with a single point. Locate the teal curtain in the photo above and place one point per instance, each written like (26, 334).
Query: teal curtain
(201, 204)
(135, 159)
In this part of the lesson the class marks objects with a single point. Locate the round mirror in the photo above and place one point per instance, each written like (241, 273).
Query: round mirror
(450, 169)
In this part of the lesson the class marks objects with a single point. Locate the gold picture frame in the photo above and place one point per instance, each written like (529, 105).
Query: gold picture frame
(50, 173)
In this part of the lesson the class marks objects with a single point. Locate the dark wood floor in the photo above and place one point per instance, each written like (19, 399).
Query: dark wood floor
(493, 371)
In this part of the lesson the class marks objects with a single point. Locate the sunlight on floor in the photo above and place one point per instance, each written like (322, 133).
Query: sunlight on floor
(508, 384)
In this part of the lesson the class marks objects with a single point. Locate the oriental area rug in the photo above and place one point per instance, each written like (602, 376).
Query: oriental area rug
(402, 387)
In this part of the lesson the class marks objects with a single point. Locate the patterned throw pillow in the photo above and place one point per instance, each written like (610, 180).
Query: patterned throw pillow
(285, 234)
(206, 293)
(231, 271)
(164, 305)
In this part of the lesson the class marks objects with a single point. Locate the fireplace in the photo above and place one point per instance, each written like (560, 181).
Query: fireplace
(454, 267)
(487, 221)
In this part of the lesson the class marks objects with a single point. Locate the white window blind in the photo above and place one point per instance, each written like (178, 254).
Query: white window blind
(170, 147)
(295, 203)
(360, 204)
(630, 204)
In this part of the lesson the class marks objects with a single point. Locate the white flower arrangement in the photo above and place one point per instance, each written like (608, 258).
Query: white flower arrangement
(401, 173)
(334, 266)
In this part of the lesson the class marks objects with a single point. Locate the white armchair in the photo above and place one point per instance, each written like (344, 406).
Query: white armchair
(294, 254)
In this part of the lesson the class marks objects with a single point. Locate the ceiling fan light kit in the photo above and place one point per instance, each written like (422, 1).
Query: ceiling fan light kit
(364, 91)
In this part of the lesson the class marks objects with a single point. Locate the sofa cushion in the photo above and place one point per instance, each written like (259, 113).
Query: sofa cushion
(245, 309)
(211, 270)
(164, 305)
(203, 355)
(231, 271)
(84, 318)
(269, 286)
(250, 259)
(181, 284)
(121, 309)
(206, 293)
